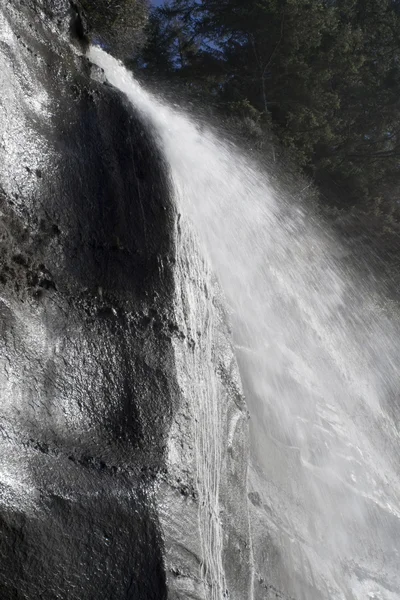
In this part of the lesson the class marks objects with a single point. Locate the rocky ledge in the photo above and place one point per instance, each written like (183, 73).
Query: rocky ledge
(123, 430)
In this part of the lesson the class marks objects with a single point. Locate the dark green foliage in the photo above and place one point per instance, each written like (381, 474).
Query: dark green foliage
(118, 25)
(324, 73)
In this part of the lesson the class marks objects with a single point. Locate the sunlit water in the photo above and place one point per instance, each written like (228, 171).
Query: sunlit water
(319, 359)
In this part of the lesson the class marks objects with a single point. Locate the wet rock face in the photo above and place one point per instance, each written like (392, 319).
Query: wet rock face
(86, 362)
(123, 430)
(203, 499)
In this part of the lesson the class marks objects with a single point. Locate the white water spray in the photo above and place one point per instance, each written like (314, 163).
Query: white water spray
(318, 359)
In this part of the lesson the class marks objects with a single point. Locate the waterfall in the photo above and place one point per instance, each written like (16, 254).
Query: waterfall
(318, 350)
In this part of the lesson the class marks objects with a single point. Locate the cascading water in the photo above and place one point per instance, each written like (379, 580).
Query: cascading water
(318, 358)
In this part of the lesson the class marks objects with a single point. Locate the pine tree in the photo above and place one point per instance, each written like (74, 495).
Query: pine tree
(326, 73)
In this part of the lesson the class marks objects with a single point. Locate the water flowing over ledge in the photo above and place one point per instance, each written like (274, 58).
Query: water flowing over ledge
(317, 352)
(128, 230)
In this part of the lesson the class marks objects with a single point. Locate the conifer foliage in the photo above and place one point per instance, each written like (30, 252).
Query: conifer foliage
(324, 74)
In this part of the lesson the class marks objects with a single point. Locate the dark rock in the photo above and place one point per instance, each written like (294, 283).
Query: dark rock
(108, 385)
(87, 389)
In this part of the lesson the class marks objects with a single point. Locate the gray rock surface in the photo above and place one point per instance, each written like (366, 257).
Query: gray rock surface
(123, 433)
(207, 448)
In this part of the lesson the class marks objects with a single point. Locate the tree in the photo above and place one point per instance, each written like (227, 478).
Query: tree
(118, 25)
(326, 73)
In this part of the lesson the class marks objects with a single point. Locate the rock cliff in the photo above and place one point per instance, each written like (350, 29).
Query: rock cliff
(123, 430)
